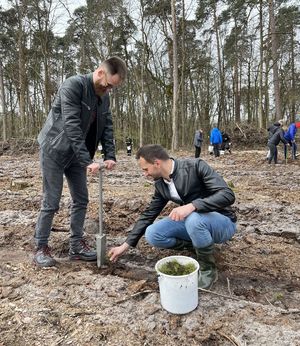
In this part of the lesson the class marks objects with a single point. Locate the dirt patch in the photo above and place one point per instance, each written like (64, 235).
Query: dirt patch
(255, 301)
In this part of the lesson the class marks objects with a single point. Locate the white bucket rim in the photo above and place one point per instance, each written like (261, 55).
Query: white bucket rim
(176, 257)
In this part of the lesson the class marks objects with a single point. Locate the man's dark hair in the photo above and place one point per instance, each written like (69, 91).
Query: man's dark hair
(152, 152)
(116, 65)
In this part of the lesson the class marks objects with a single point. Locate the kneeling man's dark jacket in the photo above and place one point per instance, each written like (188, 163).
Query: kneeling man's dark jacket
(197, 183)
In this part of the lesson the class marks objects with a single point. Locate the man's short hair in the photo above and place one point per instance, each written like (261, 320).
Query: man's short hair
(116, 65)
(152, 152)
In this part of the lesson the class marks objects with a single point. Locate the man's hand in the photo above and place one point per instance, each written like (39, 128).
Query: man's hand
(95, 166)
(110, 164)
(118, 251)
(180, 213)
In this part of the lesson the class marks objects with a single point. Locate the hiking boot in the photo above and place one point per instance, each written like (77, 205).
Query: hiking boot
(43, 257)
(81, 251)
(208, 271)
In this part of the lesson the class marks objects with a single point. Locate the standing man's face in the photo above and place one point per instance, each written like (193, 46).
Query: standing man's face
(105, 82)
(152, 170)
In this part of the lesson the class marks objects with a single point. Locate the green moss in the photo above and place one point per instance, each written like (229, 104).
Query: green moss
(175, 268)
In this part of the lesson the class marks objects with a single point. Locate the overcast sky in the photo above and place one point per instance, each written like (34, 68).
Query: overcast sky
(61, 13)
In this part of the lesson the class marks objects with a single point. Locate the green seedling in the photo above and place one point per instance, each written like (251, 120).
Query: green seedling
(175, 268)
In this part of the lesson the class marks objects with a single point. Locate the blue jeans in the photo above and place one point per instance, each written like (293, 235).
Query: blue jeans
(202, 229)
(52, 189)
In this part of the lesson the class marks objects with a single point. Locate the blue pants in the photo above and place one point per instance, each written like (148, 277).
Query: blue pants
(203, 229)
(52, 189)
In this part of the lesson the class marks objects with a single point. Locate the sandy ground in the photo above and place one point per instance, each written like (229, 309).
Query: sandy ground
(256, 300)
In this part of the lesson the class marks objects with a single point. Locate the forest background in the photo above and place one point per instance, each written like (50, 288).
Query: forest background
(191, 64)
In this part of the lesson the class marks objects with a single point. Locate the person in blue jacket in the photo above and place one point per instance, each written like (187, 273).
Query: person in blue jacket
(290, 135)
(216, 140)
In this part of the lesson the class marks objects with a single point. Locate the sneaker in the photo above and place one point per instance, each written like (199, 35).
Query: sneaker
(81, 251)
(43, 257)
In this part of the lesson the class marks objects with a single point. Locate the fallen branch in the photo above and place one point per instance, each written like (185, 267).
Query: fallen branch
(134, 295)
(229, 338)
(219, 294)
(243, 133)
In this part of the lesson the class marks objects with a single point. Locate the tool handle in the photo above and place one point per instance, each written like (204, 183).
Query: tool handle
(102, 166)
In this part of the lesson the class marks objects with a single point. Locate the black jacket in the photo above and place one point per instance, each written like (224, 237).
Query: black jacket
(196, 182)
(277, 137)
(67, 131)
(272, 129)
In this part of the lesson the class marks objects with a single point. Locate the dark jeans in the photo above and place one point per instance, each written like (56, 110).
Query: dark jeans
(273, 153)
(197, 151)
(216, 149)
(52, 189)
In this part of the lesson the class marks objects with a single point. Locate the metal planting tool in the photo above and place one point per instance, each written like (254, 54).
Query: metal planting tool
(100, 237)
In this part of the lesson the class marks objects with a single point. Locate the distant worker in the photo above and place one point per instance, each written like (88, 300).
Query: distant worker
(273, 142)
(271, 130)
(290, 135)
(198, 139)
(129, 143)
(216, 140)
(226, 143)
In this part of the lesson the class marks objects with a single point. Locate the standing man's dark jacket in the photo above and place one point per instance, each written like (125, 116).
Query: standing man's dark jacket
(273, 128)
(196, 182)
(67, 131)
(277, 137)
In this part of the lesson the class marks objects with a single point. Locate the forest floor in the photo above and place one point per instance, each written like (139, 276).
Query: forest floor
(255, 302)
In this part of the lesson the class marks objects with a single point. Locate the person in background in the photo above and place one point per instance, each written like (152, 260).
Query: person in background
(274, 127)
(271, 130)
(226, 144)
(274, 141)
(198, 139)
(290, 136)
(216, 140)
(129, 143)
(78, 121)
(204, 215)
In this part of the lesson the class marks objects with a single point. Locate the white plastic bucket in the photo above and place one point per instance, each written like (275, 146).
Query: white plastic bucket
(178, 294)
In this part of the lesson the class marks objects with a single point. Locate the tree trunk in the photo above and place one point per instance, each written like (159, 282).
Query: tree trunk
(174, 144)
(261, 65)
(2, 104)
(221, 72)
(274, 42)
(22, 69)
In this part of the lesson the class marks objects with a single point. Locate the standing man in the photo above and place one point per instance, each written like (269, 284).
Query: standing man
(79, 119)
(216, 140)
(198, 139)
(274, 141)
(203, 218)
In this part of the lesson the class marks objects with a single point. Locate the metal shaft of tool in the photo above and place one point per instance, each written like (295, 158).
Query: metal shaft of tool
(100, 237)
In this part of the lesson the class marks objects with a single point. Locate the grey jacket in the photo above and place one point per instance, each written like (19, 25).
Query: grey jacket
(198, 138)
(196, 182)
(67, 133)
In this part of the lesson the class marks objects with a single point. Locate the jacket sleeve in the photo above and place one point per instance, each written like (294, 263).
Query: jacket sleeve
(147, 218)
(107, 138)
(71, 95)
(220, 195)
(282, 137)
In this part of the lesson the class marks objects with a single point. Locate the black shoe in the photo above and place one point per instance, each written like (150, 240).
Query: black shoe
(81, 251)
(43, 257)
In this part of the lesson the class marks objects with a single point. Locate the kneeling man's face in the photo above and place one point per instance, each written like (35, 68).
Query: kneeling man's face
(152, 170)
